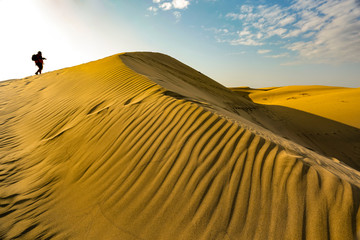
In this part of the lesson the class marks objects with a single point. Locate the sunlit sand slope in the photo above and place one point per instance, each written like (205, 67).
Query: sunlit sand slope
(324, 119)
(99, 151)
(335, 103)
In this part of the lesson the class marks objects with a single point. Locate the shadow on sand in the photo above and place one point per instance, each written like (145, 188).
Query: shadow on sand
(325, 136)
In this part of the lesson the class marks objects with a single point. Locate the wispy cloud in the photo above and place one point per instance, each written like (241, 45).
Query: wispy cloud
(177, 15)
(338, 39)
(263, 51)
(282, 55)
(326, 31)
(266, 51)
(247, 41)
(152, 9)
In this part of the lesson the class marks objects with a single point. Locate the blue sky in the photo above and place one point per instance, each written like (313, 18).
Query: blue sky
(237, 43)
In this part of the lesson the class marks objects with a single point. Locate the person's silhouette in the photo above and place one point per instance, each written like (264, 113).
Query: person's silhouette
(39, 62)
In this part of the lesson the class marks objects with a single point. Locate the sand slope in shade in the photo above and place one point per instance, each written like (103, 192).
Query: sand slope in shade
(141, 146)
(318, 117)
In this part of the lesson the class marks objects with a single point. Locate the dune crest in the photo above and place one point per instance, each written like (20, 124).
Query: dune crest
(141, 146)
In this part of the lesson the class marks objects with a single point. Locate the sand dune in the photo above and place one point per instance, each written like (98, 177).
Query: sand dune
(335, 103)
(141, 146)
(321, 118)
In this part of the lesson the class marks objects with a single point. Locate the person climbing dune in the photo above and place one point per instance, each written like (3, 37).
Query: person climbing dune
(38, 61)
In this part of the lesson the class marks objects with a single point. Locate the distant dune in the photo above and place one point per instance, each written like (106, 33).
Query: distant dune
(141, 146)
(324, 119)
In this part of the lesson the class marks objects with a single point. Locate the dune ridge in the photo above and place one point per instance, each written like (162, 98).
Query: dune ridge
(140, 146)
(278, 125)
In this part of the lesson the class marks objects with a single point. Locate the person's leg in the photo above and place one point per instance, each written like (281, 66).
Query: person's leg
(40, 68)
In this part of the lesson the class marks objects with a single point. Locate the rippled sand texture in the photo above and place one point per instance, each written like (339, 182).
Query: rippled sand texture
(153, 149)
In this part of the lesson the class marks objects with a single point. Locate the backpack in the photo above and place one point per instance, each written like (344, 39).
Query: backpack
(34, 57)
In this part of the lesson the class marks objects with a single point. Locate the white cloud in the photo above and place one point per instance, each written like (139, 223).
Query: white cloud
(152, 9)
(247, 8)
(165, 6)
(259, 35)
(235, 16)
(245, 41)
(308, 35)
(293, 33)
(244, 32)
(307, 4)
(287, 20)
(174, 4)
(180, 4)
(329, 29)
(218, 31)
(278, 55)
(339, 38)
(170, 5)
(263, 51)
(277, 31)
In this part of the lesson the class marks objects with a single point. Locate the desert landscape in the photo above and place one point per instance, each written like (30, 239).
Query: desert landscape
(141, 146)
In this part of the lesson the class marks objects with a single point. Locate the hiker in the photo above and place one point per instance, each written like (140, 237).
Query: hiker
(38, 61)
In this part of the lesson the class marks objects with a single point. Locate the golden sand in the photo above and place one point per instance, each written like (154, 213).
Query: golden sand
(335, 103)
(141, 146)
(324, 119)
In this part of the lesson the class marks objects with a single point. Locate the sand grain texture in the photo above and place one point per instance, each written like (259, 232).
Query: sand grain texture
(141, 146)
